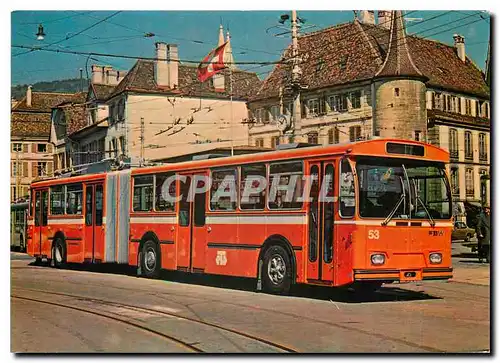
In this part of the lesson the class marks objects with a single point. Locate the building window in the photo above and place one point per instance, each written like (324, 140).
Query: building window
(289, 108)
(40, 168)
(41, 148)
(337, 103)
(354, 133)
(14, 169)
(259, 142)
(453, 146)
(275, 112)
(275, 141)
(17, 147)
(312, 138)
(417, 135)
(330, 136)
(469, 152)
(469, 181)
(355, 98)
(114, 147)
(396, 92)
(122, 145)
(448, 103)
(468, 107)
(111, 113)
(459, 105)
(483, 152)
(313, 107)
(121, 110)
(437, 101)
(455, 181)
(486, 110)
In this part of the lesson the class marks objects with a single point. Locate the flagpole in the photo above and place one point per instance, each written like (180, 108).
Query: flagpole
(231, 106)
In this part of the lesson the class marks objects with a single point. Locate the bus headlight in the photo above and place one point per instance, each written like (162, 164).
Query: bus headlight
(378, 259)
(435, 258)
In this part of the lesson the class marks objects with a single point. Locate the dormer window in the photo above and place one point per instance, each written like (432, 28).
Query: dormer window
(313, 107)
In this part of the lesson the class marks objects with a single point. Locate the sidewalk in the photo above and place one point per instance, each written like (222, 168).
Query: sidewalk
(477, 275)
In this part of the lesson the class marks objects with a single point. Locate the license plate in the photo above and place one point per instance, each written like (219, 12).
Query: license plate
(410, 275)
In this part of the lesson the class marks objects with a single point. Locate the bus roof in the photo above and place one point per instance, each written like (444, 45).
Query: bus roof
(375, 147)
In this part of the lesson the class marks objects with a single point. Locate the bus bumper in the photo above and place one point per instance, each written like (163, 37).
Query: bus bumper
(386, 275)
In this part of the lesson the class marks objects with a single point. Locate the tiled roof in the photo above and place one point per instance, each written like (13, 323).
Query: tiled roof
(102, 91)
(75, 116)
(25, 124)
(44, 101)
(353, 51)
(141, 79)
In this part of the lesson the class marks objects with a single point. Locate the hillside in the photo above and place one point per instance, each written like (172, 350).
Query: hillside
(63, 85)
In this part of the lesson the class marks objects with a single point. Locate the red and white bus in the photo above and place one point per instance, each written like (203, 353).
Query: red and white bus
(387, 216)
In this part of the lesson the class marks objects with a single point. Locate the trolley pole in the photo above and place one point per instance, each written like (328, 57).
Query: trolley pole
(296, 72)
(142, 142)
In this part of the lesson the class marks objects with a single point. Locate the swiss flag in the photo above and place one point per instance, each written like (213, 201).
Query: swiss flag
(213, 63)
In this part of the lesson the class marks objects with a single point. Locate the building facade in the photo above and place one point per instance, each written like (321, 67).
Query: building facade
(361, 80)
(31, 152)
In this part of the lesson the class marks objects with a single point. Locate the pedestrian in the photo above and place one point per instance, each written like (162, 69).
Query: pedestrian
(483, 234)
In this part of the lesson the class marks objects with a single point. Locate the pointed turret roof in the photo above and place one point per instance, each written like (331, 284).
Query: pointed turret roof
(221, 36)
(229, 52)
(398, 61)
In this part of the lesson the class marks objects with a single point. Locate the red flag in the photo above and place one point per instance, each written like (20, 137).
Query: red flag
(212, 64)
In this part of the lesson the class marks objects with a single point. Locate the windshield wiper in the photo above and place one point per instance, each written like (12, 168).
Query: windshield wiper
(393, 211)
(418, 199)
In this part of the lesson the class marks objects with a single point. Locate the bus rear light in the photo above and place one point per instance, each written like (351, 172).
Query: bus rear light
(435, 258)
(378, 259)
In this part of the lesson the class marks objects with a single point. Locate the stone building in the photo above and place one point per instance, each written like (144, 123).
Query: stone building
(361, 79)
(31, 153)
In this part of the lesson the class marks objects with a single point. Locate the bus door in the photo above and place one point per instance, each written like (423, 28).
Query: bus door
(94, 228)
(321, 222)
(40, 229)
(191, 230)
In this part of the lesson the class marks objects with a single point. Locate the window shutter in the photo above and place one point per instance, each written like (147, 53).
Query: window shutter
(49, 168)
(351, 134)
(34, 170)
(49, 148)
(330, 136)
(25, 169)
(25, 148)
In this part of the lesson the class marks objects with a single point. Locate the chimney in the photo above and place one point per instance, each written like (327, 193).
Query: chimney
(28, 96)
(384, 18)
(368, 16)
(107, 70)
(460, 45)
(173, 65)
(96, 74)
(167, 65)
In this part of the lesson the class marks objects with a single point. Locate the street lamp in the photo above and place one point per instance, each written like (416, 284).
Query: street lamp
(40, 35)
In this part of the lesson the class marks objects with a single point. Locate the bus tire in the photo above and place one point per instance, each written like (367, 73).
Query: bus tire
(58, 253)
(277, 270)
(150, 260)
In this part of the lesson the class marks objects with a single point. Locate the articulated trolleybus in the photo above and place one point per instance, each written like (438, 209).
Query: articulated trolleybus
(358, 214)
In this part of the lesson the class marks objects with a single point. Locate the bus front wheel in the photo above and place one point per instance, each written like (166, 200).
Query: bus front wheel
(150, 260)
(277, 270)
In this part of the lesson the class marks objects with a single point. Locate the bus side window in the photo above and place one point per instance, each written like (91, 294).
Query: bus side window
(74, 199)
(223, 191)
(347, 197)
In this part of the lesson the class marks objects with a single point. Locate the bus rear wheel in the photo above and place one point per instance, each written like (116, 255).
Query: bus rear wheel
(277, 270)
(150, 260)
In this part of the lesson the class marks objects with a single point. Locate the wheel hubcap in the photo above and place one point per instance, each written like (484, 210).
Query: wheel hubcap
(276, 269)
(58, 255)
(150, 259)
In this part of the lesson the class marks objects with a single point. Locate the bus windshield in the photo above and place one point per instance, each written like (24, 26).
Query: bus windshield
(402, 189)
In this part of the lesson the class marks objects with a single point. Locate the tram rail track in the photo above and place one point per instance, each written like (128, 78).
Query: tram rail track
(283, 348)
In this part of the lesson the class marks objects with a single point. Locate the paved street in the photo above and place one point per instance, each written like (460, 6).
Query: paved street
(90, 309)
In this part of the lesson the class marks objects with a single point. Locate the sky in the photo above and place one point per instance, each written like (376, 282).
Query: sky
(253, 36)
